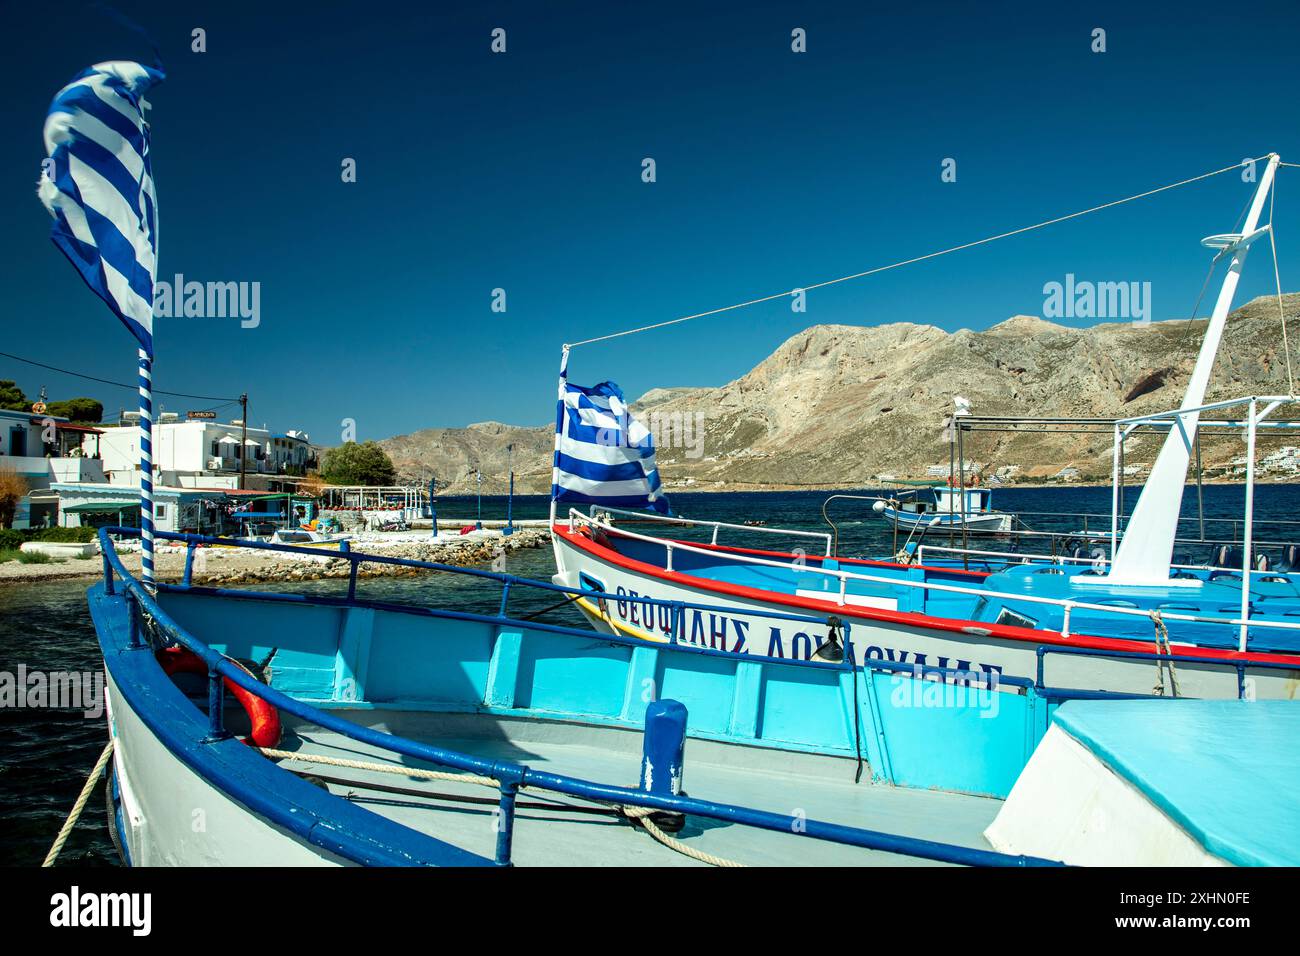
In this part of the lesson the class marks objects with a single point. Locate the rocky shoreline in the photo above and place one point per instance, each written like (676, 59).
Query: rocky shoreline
(228, 566)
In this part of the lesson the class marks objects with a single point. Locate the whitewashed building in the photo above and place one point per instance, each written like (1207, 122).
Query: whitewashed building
(43, 450)
(205, 454)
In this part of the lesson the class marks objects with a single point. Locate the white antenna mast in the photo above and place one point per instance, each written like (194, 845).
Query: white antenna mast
(1147, 547)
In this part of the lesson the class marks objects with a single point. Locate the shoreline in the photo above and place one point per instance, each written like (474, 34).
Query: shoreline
(223, 566)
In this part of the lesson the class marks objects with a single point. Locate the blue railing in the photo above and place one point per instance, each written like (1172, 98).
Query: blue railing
(510, 777)
(1240, 665)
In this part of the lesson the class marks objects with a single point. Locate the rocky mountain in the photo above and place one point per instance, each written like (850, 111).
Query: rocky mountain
(838, 405)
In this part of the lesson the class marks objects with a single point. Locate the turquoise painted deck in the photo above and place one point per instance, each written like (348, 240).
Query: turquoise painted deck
(921, 733)
(821, 788)
(1204, 764)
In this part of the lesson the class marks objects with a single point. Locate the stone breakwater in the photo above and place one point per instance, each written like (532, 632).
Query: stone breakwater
(469, 552)
(247, 565)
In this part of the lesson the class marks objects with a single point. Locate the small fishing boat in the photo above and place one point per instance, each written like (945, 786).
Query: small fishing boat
(969, 509)
(308, 537)
(252, 728)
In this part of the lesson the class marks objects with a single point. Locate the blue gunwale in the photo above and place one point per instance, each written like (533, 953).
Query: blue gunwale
(279, 797)
(230, 765)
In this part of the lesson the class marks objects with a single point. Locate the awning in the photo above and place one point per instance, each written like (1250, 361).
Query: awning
(107, 506)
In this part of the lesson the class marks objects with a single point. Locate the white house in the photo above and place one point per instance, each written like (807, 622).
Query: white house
(204, 454)
(42, 450)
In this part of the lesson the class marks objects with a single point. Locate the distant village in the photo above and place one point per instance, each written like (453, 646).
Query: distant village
(209, 475)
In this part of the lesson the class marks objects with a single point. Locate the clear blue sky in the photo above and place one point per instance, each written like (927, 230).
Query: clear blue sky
(522, 171)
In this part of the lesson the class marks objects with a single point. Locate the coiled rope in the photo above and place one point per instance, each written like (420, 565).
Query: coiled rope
(417, 772)
(641, 815)
(79, 806)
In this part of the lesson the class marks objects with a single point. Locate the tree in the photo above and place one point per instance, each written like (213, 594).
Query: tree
(84, 410)
(311, 485)
(12, 488)
(358, 464)
(12, 397)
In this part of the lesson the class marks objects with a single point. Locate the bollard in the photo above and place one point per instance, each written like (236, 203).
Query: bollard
(663, 756)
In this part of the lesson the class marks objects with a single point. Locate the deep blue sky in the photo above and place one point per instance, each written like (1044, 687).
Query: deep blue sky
(522, 171)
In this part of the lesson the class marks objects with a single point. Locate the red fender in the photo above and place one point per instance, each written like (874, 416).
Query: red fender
(265, 718)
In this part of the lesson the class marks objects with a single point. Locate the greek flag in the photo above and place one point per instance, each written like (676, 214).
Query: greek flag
(603, 455)
(98, 185)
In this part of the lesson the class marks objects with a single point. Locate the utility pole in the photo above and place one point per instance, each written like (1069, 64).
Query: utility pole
(510, 502)
(243, 437)
(478, 522)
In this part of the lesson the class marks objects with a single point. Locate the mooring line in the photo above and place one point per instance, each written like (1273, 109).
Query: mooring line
(79, 806)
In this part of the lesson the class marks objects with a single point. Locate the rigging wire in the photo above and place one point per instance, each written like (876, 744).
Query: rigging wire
(104, 381)
(916, 259)
(1277, 277)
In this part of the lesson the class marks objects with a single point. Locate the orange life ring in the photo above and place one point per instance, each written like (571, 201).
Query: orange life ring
(264, 718)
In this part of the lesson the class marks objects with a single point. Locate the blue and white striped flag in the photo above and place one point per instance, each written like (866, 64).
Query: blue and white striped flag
(98, 186)
(603, 455)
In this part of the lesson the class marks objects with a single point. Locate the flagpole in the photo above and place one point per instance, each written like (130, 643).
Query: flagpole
(146, 469)
(559, 425)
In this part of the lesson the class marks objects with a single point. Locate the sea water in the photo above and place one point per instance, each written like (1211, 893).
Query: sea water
(46, 752)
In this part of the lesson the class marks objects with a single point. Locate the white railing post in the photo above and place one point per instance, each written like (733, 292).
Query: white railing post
(1065, 619)
(925, 586)
(1114, 492)
(669, 563)
(715, 534)
(1248, 534)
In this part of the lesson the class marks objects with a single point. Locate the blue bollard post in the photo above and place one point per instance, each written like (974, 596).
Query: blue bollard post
(663, 754)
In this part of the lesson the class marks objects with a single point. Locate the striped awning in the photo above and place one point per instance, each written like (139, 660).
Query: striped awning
(108, 506)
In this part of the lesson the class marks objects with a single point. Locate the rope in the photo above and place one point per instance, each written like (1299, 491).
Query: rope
(417, 772)
(80, 805)
(1163, 647)
(912, 261)
(554, 607)
(641, 815)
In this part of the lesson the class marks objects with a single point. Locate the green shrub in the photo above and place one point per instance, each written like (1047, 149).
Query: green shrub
(9, 554)
(35, 557)
(81, 535)
(10, 540)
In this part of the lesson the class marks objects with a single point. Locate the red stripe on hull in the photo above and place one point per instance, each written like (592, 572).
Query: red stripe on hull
(970, 628)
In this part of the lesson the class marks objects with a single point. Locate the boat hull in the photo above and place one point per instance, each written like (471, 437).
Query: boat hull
(978, 524)
(186, 799)
(740, 626)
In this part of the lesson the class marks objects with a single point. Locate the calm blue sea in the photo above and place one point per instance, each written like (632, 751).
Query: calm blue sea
(45, 754)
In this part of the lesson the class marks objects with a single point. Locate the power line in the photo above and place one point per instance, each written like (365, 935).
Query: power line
(104, 381)
(915, 259)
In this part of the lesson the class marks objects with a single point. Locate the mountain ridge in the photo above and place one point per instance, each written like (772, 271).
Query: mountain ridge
(838, 405)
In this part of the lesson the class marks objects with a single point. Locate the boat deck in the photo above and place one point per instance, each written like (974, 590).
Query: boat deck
(573, 832)
(1223, 770)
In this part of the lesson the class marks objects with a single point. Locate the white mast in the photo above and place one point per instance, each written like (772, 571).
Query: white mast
(1146, 549)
